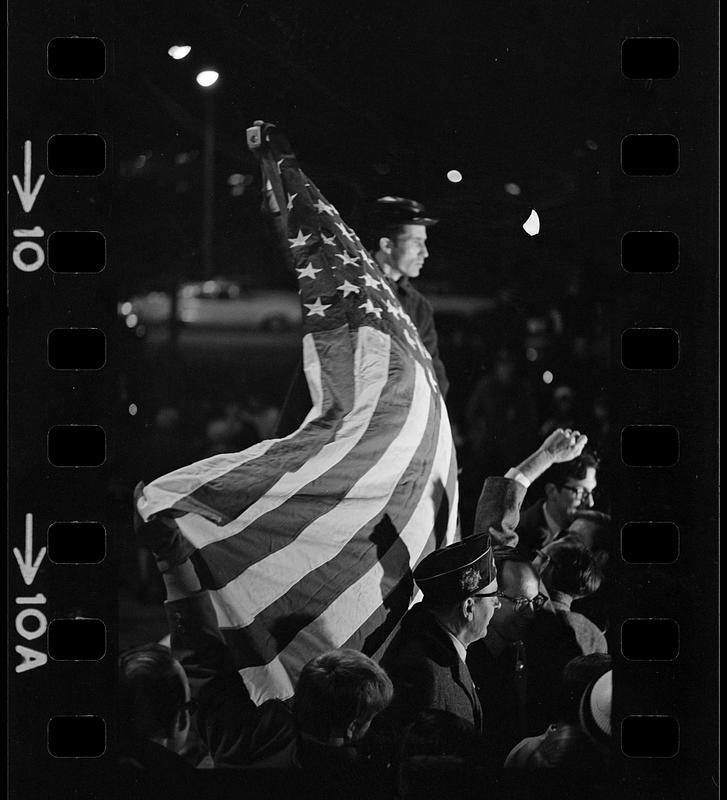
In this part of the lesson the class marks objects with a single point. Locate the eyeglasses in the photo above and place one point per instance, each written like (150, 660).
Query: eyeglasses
(190, 706)
(580, 493)
(521, 603)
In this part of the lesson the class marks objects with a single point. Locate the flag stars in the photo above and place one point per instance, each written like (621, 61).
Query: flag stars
(300, 239)
(328, 239)
(392, 308)
(369, 281)
(290, 201)
(324, 208)
(344, 230)
(346, 259)
(316, 308)
(370, 308)
(308, 271)
(348, 288)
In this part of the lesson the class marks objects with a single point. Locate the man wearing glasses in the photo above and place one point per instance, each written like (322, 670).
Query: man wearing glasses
(498, 663)
(426, 659)
(569, 488)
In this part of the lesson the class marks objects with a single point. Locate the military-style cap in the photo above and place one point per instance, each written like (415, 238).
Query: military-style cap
(391, 210)
(439, 575)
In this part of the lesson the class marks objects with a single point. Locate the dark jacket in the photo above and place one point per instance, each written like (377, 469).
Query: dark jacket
(427, 671)
(552, 640)
(533, 531)
(422, 315)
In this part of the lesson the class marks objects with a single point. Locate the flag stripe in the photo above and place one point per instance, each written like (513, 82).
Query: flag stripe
(310, 596)
(269, 579)
(341, 621)
(271, 514)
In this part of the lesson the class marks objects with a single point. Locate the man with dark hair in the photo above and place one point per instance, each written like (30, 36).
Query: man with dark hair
(338, 695)
(426, 659)
(154, 716)
(569, 572)
(400, 250)
(595, 530)
(569, 488)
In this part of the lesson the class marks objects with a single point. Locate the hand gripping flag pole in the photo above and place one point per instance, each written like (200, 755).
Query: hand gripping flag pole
(308, 542)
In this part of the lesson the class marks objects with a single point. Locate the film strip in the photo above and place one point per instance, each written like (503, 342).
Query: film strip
(65, 424)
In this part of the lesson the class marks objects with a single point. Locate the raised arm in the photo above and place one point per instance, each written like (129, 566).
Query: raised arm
(498, 509)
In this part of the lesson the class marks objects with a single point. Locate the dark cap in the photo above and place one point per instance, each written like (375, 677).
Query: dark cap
(440, 574)
(391, 210)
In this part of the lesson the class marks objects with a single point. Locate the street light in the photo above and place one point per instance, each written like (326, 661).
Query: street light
(207, 78)
(179, 51)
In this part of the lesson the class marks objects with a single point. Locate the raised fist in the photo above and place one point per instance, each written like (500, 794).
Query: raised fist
(564, 445)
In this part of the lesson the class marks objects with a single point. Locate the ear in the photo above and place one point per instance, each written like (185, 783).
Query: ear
(386, 245)
(467, 607)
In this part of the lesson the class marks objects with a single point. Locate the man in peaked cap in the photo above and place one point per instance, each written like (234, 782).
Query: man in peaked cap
(400, 235)
(426, 660)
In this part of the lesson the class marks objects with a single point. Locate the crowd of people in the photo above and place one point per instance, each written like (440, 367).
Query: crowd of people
(504, 662)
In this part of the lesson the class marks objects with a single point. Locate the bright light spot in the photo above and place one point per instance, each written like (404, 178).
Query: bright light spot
(208, 77)
(236, 179)
(591, 145)
(208, 287)
(531, 226)
(133, 409)
(126, 308)
(179, 51)
(131, 320)
(454, 176)
(512, 188)
(548, 376)
(531, 354)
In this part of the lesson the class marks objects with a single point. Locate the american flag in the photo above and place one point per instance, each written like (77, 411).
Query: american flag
(307, 543)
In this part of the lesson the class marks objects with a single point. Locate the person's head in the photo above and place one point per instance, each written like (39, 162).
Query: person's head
(578, 673)
(338, 695)
(569, 487)
(565, 747)
(459, 583)
(593, 528)
(401, 239)
(154, 696)
(404, 248)
(519, 593)
(570, 568)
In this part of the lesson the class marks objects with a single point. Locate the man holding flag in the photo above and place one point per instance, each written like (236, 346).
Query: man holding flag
(307, 543)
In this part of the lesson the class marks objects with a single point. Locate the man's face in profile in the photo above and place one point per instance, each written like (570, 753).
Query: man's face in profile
(409, 250)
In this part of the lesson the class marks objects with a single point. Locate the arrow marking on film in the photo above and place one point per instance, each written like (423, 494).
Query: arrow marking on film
(27, 194)
(28, 567)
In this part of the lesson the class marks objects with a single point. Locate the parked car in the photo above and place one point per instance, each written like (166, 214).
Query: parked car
(217, 303)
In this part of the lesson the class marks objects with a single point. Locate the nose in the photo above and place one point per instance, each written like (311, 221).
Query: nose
(424, 252)
(588, 501)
